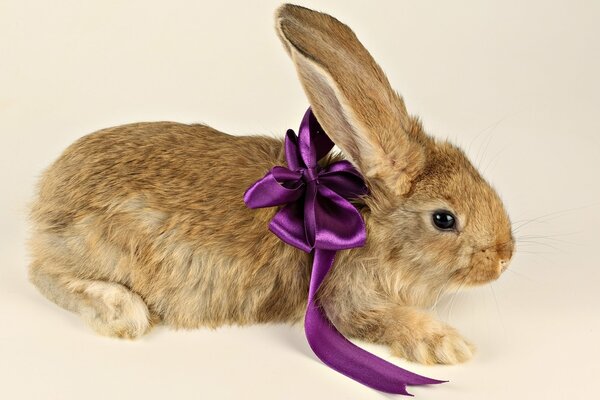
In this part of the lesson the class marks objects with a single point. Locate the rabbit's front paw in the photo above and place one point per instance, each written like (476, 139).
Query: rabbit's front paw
(435, 343)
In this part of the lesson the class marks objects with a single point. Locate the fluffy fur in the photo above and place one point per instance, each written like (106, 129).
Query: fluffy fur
(145, 222)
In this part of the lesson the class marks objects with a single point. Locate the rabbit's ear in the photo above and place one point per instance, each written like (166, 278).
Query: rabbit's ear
(351, 97)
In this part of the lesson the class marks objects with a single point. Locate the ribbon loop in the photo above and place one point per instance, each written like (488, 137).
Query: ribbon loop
(317, 216)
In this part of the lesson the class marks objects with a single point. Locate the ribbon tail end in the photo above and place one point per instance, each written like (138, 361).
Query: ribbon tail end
(422, 381)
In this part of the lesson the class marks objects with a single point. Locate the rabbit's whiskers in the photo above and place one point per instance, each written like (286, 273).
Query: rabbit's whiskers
(441, 291)
(460, 286)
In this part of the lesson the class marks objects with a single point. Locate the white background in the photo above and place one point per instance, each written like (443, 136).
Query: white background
(513, 82)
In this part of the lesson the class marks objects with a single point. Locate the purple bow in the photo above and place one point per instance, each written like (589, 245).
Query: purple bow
(317, 213)
(318, 216)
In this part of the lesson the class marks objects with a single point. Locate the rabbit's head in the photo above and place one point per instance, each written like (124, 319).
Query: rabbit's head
(429, 207)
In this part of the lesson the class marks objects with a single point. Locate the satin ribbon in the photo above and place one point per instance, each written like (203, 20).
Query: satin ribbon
(317, 217)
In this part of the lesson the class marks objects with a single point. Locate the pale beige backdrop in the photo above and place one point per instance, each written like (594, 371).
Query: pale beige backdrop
(516, 83)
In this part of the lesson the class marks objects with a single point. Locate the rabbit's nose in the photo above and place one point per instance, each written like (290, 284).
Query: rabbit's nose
(505, 252)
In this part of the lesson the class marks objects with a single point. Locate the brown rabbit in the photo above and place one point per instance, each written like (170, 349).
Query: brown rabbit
(146, 222)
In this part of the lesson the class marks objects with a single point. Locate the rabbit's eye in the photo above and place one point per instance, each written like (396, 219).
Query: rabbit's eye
(444, 220)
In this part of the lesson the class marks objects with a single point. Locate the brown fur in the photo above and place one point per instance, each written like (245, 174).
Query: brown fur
(146, 222)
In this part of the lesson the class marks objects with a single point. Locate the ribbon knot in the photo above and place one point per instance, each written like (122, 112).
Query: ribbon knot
(317, 216)
(311, 175)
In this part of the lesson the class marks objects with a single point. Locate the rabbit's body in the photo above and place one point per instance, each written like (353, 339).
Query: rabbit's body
(156, 207)
(146, 222)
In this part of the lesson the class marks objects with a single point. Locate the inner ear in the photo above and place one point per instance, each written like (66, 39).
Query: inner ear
(330, 112)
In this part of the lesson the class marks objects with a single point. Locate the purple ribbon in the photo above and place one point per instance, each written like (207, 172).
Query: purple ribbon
(318, 217)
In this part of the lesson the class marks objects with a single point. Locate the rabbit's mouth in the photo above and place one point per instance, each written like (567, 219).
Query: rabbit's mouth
(475, 276)
(484, 268)
(486, 265)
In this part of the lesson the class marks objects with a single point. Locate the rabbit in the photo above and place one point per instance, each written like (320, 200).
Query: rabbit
(145, 223)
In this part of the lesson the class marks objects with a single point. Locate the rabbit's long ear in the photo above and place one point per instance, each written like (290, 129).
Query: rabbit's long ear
(351, 97)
